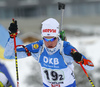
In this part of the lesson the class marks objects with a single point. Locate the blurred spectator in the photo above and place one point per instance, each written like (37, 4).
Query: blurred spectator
(5, 78)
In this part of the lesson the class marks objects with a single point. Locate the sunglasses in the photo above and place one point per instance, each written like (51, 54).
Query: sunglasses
(52, 39)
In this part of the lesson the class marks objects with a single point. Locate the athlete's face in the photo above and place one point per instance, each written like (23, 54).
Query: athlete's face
(50, 41)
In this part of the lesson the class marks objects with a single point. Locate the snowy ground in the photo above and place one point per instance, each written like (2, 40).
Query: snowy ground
(89, 46)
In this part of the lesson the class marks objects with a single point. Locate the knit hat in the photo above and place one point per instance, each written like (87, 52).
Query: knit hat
(50, 27)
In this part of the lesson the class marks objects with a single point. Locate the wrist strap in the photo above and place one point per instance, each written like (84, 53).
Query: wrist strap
(12, 34)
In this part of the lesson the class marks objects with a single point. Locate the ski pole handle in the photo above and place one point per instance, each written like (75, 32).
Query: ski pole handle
(61, 5)
(13, 20)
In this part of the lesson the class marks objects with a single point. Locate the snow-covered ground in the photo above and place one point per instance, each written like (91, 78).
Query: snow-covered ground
(89, 46)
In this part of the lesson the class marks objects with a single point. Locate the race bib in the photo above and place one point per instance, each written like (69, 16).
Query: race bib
(53, 76)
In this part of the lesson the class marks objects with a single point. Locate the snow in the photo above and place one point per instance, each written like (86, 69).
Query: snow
(89, 46)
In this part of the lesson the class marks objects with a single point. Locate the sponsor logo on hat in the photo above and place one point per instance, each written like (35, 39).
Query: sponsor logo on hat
(49, 30)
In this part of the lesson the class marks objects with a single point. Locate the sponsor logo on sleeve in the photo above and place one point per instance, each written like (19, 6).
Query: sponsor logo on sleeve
(35, 46)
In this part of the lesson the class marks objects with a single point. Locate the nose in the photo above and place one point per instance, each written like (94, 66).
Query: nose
(49, 43)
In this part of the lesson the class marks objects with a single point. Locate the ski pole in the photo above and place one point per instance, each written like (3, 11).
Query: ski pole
(17, 75)
(61, 6)
(87, 75)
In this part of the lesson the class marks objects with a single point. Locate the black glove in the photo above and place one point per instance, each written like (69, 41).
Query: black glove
(13, 28)
(76, 55)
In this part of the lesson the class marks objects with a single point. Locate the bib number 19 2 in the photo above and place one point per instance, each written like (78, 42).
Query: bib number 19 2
(53, 75)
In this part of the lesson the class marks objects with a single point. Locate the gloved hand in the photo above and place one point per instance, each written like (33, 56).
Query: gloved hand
(13, 28)
(76, 56)
(62, 35)
(87, 62)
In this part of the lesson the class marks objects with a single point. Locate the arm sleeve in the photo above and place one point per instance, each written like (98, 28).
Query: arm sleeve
(67, 48)
(9, 51)
(67, 51)
(34, 48)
